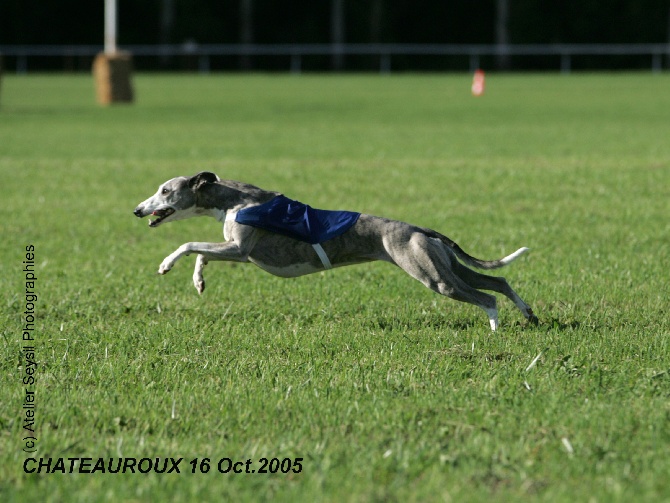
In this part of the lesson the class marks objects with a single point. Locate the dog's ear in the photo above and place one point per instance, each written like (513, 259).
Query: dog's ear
(197, 181)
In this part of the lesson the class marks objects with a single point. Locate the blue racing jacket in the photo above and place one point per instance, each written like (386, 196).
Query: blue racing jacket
(297, 220)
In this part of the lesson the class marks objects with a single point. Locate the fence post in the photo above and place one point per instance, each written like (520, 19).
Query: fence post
(203, 63)
(474, 62)
(385, 64)
(656, 62)
(565, 63)
(21, 64)
(296, 63)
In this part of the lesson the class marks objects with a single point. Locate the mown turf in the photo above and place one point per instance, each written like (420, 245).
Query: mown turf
(386, 391)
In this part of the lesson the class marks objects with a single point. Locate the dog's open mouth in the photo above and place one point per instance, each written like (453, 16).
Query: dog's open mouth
(162, 215)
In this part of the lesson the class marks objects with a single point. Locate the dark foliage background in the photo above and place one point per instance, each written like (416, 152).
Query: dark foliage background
(314, 21)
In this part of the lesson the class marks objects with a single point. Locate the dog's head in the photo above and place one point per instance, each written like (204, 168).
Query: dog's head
(176, 199)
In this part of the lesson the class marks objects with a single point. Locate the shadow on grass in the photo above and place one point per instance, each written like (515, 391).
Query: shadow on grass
(464, 353)
(561, 326)
(392, 323)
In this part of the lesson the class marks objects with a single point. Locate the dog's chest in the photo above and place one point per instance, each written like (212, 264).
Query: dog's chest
(228, 219)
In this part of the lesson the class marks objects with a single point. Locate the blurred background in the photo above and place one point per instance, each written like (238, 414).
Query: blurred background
(341, 35)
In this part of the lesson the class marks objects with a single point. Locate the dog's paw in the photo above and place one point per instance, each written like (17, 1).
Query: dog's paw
(530, 316)
(493, 318)
(199, 284)
(165, 266)
(198, 279)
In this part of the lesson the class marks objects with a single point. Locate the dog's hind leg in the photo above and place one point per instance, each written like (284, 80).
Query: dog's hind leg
(427, 260)
(494, 284)
(198, 278)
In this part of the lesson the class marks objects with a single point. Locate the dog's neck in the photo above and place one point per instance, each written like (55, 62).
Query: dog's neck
(227, 196)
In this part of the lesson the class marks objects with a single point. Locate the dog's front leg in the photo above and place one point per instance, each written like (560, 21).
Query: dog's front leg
(243, 238)
(211, 251)
(198, 278)
(169, 261)
(237, 249)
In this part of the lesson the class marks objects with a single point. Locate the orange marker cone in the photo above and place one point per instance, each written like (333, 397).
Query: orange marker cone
(478, 83)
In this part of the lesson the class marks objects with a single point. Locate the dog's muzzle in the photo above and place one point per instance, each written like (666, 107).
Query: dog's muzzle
(160, 214)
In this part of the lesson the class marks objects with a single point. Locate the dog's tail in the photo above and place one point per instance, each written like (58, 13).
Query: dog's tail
(473, 261)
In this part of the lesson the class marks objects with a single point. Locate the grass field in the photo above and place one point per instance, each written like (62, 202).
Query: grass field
(385, 390)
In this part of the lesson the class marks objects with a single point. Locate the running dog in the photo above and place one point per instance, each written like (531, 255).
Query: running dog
(330, 239)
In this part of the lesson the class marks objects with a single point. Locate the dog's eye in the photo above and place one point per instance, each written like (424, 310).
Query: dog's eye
(165, 191)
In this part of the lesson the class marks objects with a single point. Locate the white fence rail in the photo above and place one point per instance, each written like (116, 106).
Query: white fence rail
(295, 53)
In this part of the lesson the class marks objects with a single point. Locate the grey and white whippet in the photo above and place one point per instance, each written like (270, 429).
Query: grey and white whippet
(424, 254)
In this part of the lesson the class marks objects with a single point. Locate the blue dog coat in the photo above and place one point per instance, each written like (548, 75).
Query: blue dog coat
(297, 220)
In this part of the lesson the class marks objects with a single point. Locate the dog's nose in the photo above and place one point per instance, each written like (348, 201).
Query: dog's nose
(138, 212)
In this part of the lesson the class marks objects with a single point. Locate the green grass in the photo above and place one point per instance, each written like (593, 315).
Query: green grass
(387, 391)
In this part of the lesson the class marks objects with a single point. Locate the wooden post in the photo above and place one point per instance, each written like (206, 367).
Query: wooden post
(112, 78)
(112, 69)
